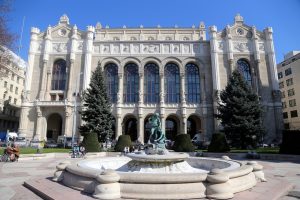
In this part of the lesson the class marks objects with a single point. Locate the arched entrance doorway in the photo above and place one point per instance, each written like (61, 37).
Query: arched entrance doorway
(172, 127)
(193, 125)
(130, 127)
(54, 126)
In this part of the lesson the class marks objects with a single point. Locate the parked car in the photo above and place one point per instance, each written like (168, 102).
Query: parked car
(51, 144)
(21, 142)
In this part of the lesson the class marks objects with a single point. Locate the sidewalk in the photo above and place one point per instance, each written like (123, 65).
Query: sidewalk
(13, 175)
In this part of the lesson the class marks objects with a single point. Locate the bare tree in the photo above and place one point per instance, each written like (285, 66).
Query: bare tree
(6, 37)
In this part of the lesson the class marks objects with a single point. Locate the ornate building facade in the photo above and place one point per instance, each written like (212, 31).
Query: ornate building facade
(12, 81)
(176, 72)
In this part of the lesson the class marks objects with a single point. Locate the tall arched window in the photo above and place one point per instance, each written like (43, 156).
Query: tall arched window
(131, 83)
(192, 83)
(244, 69)
(172, 83)
(59, 75)
(111, 75)
(151, 83)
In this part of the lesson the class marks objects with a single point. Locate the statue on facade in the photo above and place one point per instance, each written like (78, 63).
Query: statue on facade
(157, 136)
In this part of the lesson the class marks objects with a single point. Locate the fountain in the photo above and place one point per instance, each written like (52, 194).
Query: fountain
(159, 174)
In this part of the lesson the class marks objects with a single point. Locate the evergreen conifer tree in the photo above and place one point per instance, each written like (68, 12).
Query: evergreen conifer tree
(240, 113)
(97, 108)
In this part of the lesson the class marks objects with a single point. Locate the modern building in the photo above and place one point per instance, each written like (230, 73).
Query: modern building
(176, 72)
(289, 80)
(12, 81)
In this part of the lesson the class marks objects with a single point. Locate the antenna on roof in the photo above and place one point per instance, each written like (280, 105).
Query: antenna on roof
(20, 42)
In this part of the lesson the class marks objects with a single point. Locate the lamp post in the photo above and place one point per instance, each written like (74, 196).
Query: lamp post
(75, 109)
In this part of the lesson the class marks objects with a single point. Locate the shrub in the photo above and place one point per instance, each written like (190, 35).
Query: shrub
(218, 143)
(290, 142)
(123, 141)
(90, 142)
(183, 143)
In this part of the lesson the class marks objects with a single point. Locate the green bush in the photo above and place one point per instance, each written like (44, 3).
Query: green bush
(183, 143)
(91, 143)
(123, 141)
(290, 142)
(218, 143)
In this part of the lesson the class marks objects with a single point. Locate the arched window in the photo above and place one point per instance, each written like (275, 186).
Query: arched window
(244, 69)
(172, 84)
(111, 75)
(192, 83)
(59, 75)
(131, 83)
(151, 84)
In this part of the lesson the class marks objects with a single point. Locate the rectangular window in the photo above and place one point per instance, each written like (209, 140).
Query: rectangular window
(288, 71)
(5, 84)
(18, 79)
(280, 75)
(284, 104)
(289, 81)
(294, 113)
(16, 90)
(291, 92)
(12, 77)
(286, 126)
(285, 115)
(11, 88)
(15, 101)
(282, 94)
(281, 85)
(61, 97)
(292, 102)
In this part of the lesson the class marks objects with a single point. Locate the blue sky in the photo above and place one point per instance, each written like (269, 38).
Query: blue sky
(282, 15)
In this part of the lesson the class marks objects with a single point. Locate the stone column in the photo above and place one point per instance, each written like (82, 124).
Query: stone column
(68, 121)
(39, 124)
(118, 126)
(32, 51)
(163, 122)
(120, 89)
(47, 50)
(48, 85)
(88, 56)
(141, 89)
(184, 124)
(141, 128)
(274, 80)
(23, 120)
(229, 50)
(72, 60)
(182, 90)
(44, 80)
(256, 58)
(215, 71)
(162, 90)
(203, 89)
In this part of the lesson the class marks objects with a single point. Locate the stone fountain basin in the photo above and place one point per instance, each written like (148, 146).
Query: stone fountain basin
(202, 182)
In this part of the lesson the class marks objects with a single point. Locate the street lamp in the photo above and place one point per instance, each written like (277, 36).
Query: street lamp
(75, 109)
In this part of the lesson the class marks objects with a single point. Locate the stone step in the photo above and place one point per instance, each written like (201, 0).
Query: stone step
(50, 190)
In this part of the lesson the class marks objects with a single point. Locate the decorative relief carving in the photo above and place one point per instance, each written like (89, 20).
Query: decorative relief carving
(166, 48)
(116, 49)
(261, 46)
(60, 47)
(186, 48)
(151, 48)
(62, 32)
(176, 48)
(80, 46)
(105, 48)
(221, 46)
(241, 46)
(40, 46)
(126, 48)
(196, 48)
(136, 48)
(97, 49)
